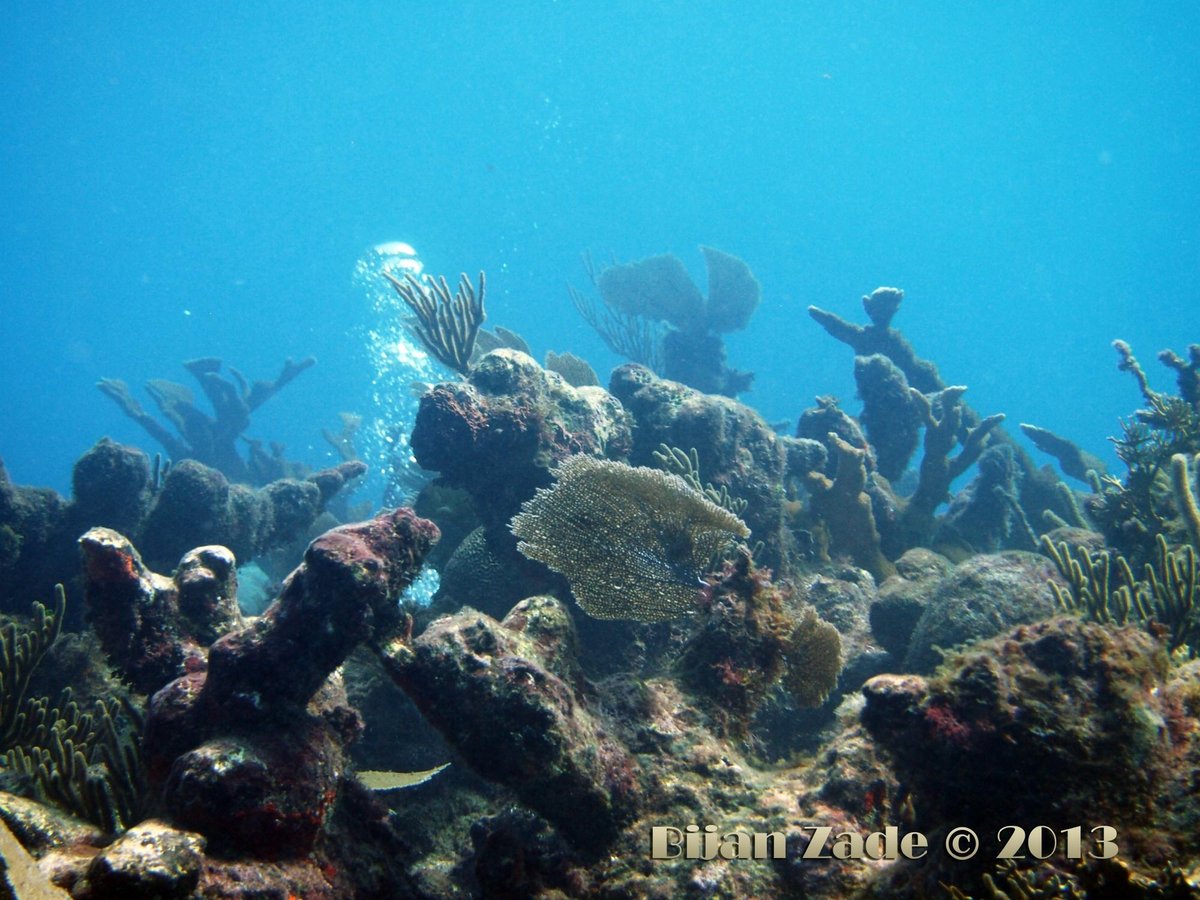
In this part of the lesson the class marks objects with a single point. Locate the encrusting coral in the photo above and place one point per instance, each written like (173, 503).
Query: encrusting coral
(149, 625)
(244, 753)
(494, 439)
(986, 515)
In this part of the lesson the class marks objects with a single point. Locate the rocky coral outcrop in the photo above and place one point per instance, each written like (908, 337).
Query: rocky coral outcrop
(506, 696)
(1065, 721)
(116, 487)
(754, 634)
(976, 599)
(736, 448)
(248, 749)
(150, 625)
(498, 434)
(149, 860)
(903, 598)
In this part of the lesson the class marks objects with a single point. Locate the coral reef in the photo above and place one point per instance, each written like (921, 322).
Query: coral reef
(737, 451)
(1151, 499)
(659, 289)
(986, 515)
(495, 439)
(115, 486)
(245, 748)
(891, 416)
(1065, 721)
(886, 661)
(212, 439)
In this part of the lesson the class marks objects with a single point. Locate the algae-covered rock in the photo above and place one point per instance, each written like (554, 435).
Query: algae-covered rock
(736, 448)
(904, 597)
(269, 795)
(491, 689)
(498, 434)
(152, 859)
(1054, 724)
(979, 598)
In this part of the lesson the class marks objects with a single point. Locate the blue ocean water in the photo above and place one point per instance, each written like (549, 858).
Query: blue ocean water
(197, 179)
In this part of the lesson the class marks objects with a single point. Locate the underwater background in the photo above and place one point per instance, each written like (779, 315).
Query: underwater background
(312, 587)
(200, 180)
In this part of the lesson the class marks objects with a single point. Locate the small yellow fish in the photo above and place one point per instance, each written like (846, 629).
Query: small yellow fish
(382, 780)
